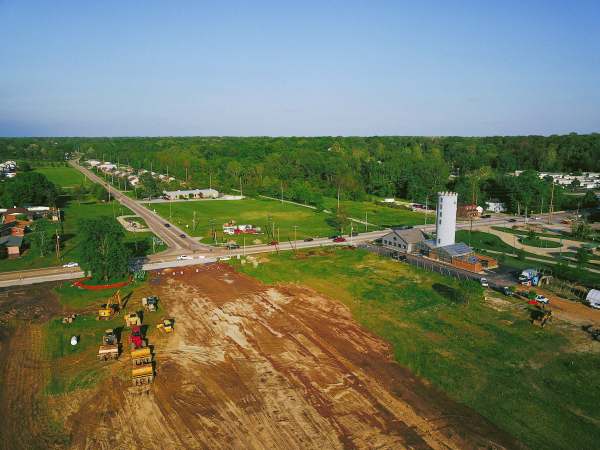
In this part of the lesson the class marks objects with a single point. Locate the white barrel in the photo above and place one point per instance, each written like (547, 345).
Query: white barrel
(74, 340)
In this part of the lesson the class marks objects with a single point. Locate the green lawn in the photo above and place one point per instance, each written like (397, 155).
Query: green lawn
(526, 379)
(540, 243)
(248, 211)
(62, 176)
(380, 214)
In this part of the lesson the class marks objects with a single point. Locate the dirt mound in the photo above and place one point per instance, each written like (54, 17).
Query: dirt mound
(35, 303)
(270, 367)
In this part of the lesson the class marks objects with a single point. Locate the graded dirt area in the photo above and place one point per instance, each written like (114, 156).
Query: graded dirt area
(271, 367)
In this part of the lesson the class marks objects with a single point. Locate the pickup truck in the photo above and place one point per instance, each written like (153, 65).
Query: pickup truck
(541, 299)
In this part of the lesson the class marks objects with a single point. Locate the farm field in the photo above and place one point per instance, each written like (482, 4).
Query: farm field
(62, 176)
(248, 366)
(489, 356)
(380, 215)
(249, 211)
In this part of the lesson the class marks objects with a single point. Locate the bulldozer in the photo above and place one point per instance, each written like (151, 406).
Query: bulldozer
(230, 223)
(150, 304)
(110, 309)
(132, 319)
(109, 348)
(166, 326)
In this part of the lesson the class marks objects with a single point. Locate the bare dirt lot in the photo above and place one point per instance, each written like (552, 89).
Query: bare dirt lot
(271, 367)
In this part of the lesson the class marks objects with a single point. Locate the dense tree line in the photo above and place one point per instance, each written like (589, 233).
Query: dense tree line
(303, 169)
(28, 188)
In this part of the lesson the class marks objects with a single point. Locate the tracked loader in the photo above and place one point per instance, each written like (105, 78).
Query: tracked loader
(166, 326)
(110, 309)
(109, 348)
(150, 303)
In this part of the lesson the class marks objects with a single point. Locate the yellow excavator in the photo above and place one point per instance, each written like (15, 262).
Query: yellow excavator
(111, 309)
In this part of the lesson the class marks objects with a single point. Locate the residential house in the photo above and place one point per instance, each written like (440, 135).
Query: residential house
(495, 205)
(13, 245)
(467, 210)
(403, 239)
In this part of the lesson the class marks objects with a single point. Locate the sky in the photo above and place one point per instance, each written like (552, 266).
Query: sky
(299, 68)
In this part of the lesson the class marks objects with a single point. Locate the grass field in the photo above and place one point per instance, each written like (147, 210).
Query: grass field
(249, 211)
(379, 214)
(540, 243)
(526, 379)
(62, 176)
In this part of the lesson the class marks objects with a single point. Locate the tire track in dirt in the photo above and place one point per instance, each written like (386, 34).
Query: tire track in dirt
(272, 367)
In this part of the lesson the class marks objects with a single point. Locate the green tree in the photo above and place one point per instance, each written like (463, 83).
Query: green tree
(342, 218)
(150, 184)
(40, 236)
(532, 294)
(100, 193)
(531, 235)
(512, 289)
(520, 254)
(79, 193)
(582, 256)
(102, 252)
(3, 252)
(575, 183)
(468, 291)
(590, 200)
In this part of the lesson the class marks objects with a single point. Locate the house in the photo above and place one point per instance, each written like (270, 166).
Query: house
(13, 245)
(403, 239)
(495, 205)
(13, 228)
(467, 210)
(11, 214)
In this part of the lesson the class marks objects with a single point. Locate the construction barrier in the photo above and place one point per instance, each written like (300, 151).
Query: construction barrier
(106, 286)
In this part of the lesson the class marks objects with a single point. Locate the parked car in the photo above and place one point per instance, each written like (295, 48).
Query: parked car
(333, 236)
(354, 234)
(273, 243)
(232, 246)
(507, 291)
(71, 264)
(167, 225)
(483, 282)
(486, 216)
(564, 222)
(339, 239)
(184, 257)
(308, 240)
(541, 299)
(512, 220)
(182, 235)
(535, 218)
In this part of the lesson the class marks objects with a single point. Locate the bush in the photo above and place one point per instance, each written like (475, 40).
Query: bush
(181, 196)
(520, 254)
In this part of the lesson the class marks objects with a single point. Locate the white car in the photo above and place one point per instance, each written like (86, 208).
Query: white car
(483, 282)
(541, 299)
(71, 264)
(184, 257)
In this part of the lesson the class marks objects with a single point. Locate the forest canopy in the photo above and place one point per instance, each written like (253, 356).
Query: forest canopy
(305, 168)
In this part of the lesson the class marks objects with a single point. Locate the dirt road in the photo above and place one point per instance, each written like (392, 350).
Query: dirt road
(262, 367)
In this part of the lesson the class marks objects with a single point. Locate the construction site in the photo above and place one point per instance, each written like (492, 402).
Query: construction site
(216, 359)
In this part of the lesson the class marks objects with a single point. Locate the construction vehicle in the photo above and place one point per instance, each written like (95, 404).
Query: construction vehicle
(110, 309)
(132, 319)
(230, 223)
(110, 347)
(140, 356)
(166, 326)
(150, 303)
(69, 319)
(135, 338)
(143, 374)
(543, 317)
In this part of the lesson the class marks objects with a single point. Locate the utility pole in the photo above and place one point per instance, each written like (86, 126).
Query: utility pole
(338, 198)
(170, 214)
(210, 180)
(57, 246)
(295, 238)
(186, 174)
(244, 245)
(212, 230)
(518, 209)
(268, 224)
(278, 241)
(281, 195)
(367, 222)
(426, 199)
(241, 195)
(542, 208)
(194, 222)
(551, 204)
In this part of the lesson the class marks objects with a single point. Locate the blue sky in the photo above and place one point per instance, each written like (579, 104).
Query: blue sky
(298, 68)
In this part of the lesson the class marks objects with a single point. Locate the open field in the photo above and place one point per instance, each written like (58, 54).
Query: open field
(249, 366)
(380, 215)
(538, 384)
(248, 211)
(62, 176)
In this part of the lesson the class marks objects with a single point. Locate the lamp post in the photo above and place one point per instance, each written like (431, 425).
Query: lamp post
(514, 243)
